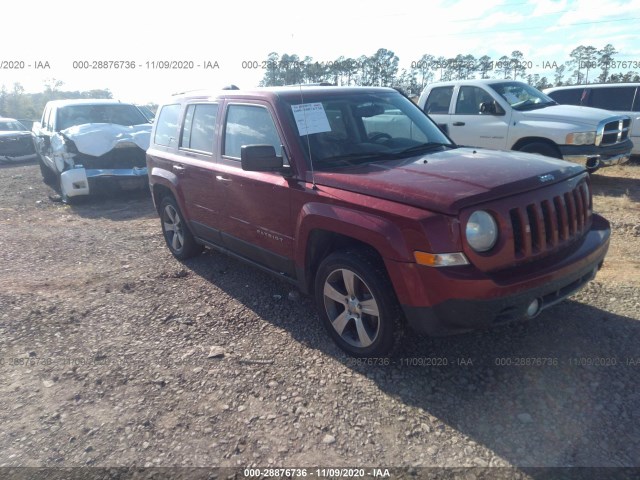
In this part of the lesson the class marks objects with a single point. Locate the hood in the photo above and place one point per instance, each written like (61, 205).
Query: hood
(450, 180)
(96, 139)
(569, 114)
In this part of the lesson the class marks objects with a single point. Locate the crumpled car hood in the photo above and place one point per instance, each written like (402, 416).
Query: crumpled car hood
(96, 139)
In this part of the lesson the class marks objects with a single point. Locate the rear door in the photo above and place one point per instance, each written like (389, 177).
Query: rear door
(257, 218)
(196, 169)
(437, 106)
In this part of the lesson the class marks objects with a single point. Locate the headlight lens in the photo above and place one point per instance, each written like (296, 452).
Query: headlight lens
(581, 138)
(482, 231)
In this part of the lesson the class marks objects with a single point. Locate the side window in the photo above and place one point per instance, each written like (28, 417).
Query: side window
(49, 120)
(167, 126)
(613, 98)
(198, 132)
(439, 100)
(249, 125)
(469, 100)
(44, 121)
(636, 103)
(569, 96)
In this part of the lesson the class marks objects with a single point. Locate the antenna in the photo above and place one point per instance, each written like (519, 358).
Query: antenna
(304, 112)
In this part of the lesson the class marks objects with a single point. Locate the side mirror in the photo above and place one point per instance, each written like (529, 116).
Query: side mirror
(35, 127)
(260, 158)
(491, 108)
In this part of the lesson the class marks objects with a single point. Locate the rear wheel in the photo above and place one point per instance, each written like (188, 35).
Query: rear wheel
(176, 233)
(357, 304)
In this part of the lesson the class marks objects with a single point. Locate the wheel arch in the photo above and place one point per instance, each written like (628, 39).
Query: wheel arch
(521, 143)
(324, 229)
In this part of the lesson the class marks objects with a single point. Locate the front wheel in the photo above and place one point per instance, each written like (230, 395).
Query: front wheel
(176, 232)
(357, 304)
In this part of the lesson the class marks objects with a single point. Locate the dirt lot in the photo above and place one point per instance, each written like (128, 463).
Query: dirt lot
(108, 359)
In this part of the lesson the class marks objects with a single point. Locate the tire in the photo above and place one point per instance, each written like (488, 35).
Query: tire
(357, 304)
(176, 233)
(541, 149)
(48, 176)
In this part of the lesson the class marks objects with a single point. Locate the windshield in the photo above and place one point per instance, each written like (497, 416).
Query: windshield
(120, 114)
(522, 96)
(345, 129)
(11, 126)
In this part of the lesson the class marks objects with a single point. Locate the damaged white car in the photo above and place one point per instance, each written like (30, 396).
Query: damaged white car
(89, 146)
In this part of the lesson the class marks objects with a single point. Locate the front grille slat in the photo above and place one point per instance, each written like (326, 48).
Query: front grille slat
(571, 210)
(548, 224)
(551, 223)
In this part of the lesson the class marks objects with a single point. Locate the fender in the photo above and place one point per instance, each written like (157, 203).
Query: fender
(373, 230)
(168, 179)
(551, 130)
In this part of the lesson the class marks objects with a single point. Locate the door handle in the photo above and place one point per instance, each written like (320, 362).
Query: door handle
(458, 124)
(178, 168)
(221, 178)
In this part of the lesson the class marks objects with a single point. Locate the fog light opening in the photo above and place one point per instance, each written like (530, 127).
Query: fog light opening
(534, 308)
(593, 162)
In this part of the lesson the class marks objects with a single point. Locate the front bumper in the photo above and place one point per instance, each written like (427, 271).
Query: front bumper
(467, 299)
(81, 181)
(593, 157)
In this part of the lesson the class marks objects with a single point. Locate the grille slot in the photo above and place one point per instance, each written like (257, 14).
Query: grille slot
(546, 225)
(615, 131)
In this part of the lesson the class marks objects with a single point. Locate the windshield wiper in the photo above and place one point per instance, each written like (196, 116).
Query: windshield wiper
(344, 158)
(423, 147)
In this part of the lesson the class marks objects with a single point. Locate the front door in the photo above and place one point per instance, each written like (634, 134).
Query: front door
(469, 126)
(257, 217)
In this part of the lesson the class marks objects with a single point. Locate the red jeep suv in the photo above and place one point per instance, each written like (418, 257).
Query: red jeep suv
(355, 196)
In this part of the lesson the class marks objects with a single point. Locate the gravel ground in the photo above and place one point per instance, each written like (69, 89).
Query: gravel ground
(115, 354)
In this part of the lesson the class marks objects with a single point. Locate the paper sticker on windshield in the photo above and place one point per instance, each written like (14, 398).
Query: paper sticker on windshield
(311, 118)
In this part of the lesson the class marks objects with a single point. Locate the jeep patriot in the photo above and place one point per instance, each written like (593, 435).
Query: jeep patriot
(355, 196)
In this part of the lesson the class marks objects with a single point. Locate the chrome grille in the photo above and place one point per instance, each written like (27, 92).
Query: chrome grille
(546, 225)
(612, 131)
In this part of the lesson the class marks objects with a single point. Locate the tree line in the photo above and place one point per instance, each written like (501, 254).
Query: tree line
(586, 64)
(16, 103)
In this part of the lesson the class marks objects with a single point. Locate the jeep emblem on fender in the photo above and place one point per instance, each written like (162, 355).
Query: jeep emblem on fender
(546, 178)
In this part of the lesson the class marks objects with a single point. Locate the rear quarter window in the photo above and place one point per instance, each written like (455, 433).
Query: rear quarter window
(166, 133)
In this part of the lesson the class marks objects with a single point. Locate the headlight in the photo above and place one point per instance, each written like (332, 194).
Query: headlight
(581, 138)
(482, 231)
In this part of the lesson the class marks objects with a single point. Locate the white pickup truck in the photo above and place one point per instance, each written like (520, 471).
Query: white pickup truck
(511, 115)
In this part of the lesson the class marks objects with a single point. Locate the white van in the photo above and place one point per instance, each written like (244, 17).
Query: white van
(511, 115)
(621, 98)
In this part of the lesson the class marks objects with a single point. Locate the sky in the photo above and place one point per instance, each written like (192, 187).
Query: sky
(233, 36)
